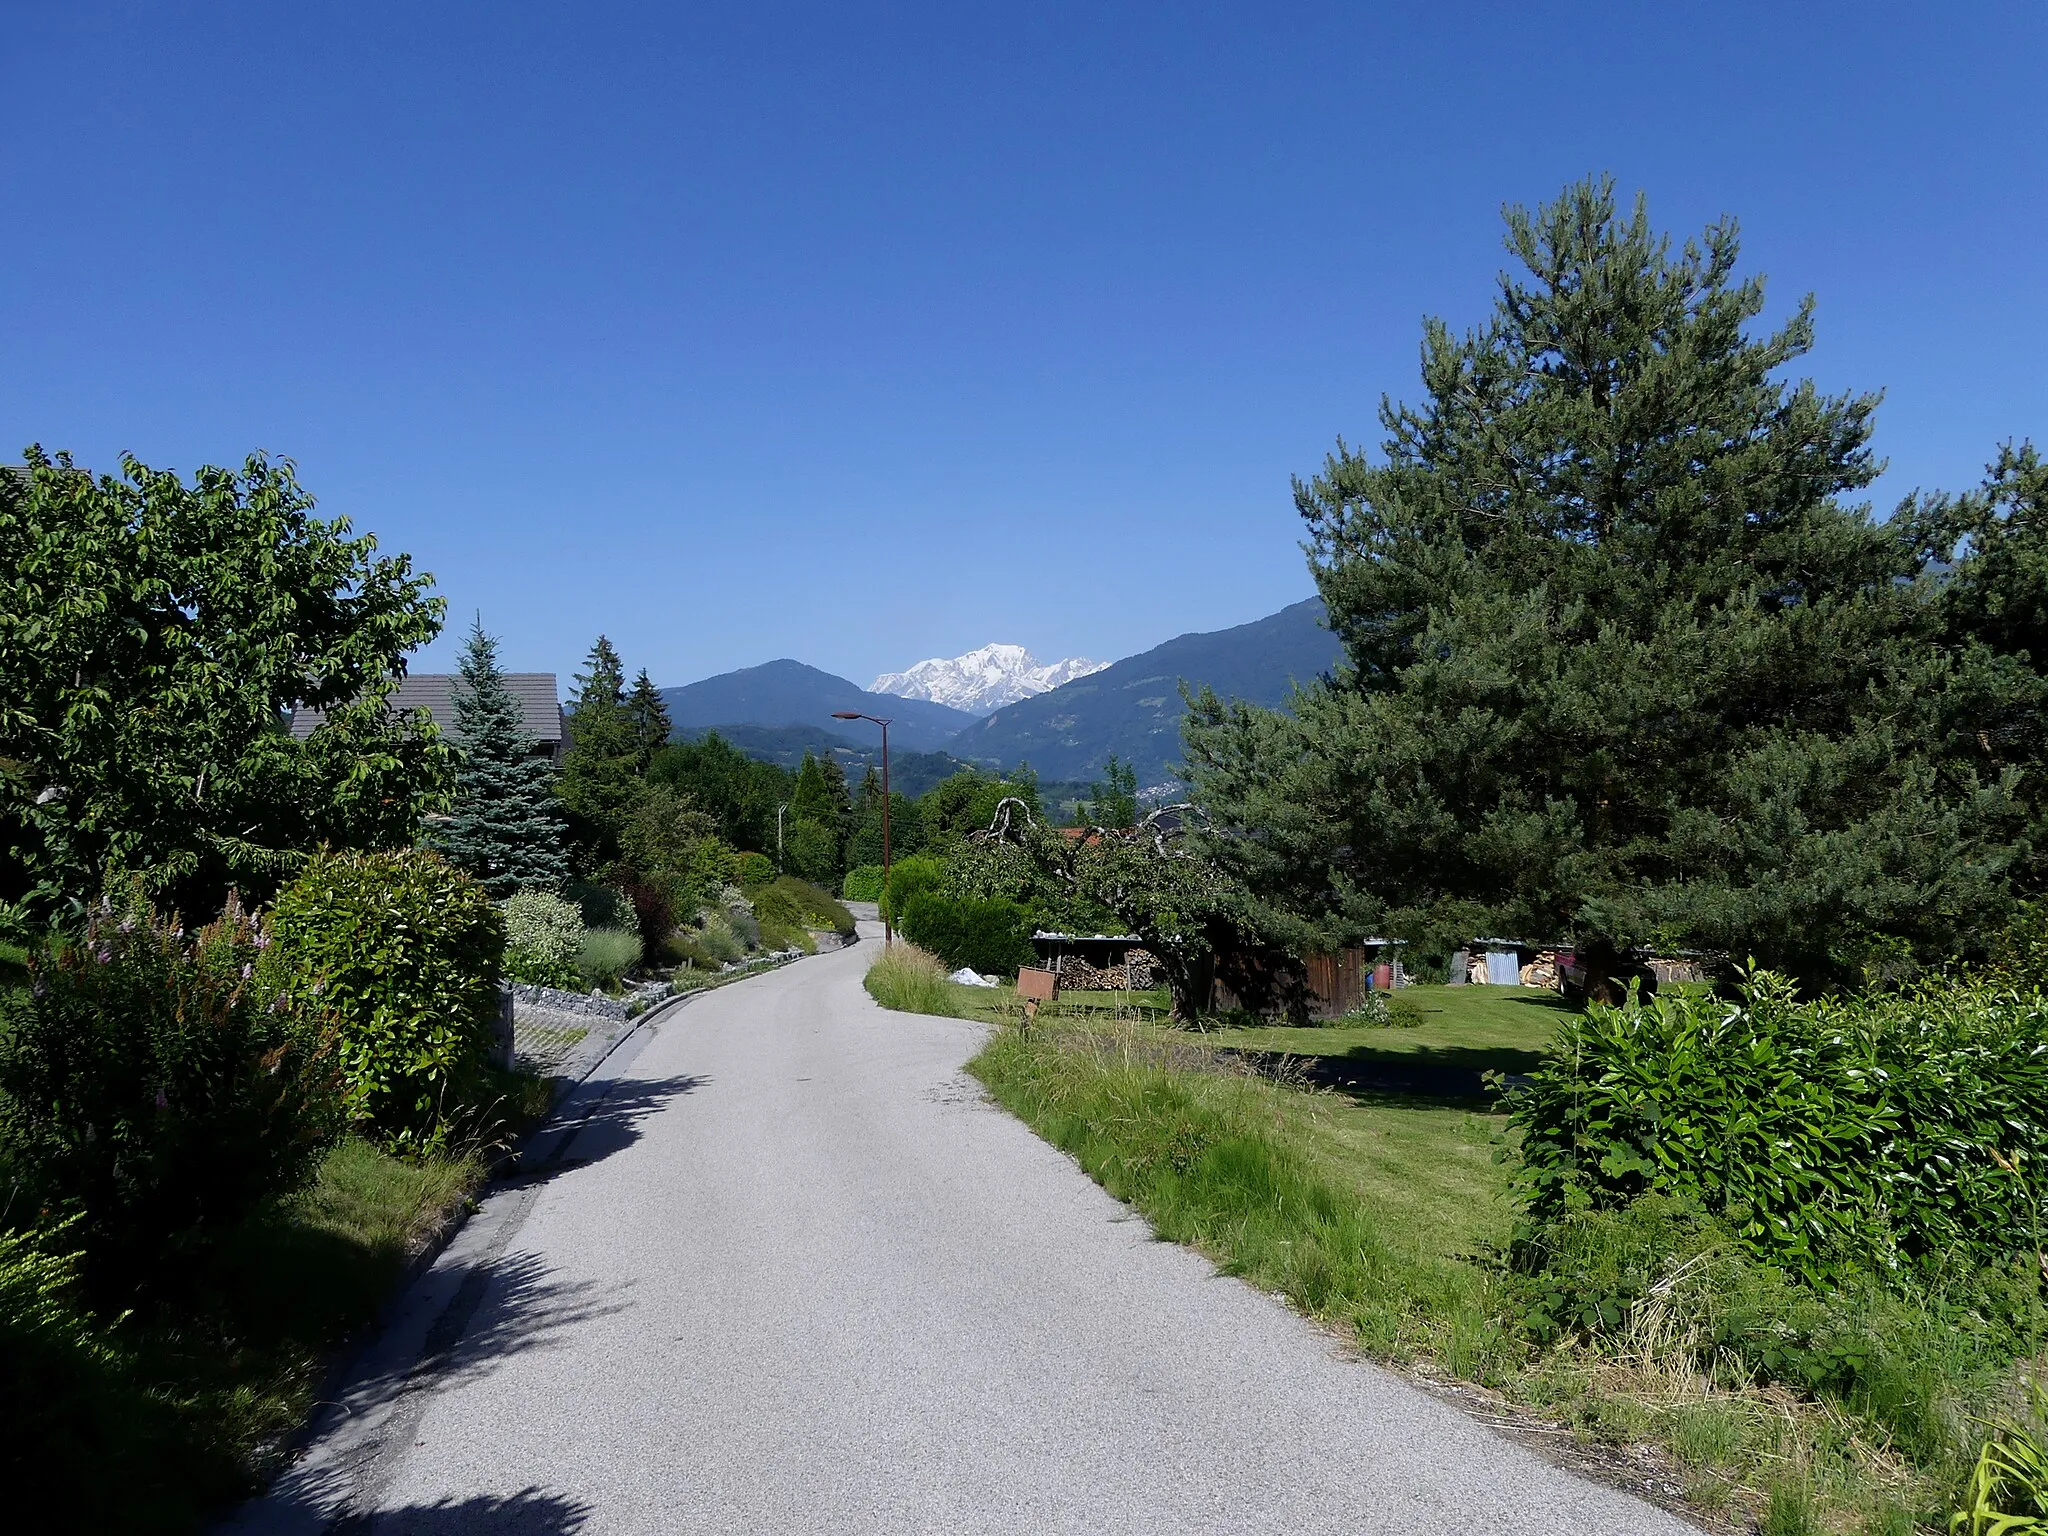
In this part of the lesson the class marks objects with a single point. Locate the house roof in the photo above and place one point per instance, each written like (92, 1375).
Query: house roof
(539, 710)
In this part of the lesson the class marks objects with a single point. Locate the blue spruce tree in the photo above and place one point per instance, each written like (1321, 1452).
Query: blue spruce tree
(506, 828)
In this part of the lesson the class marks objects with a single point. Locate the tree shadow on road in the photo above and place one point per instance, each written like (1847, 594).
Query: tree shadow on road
(612, 1125)
(530, 1512)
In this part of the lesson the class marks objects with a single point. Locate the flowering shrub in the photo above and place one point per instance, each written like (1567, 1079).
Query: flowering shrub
(155, 1087)
(402, 950)
(543, 938)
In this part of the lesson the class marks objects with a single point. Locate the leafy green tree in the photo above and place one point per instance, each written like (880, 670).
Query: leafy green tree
(739, 793)
(1113, 799)
(1624, 663)
(659, 838)
(155, 637)
(812, 851)
(505, 828)
(601, 769)
(651, 727)
(966, 803)
(1151, 881)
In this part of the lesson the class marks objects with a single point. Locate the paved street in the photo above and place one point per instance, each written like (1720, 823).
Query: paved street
(794, 1275)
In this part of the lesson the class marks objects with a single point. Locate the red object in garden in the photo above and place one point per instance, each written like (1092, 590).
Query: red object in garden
(1382, 977)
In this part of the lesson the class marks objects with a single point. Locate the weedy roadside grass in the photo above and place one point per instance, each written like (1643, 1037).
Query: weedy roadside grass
(911, 980)
(157, 1420)
(1386, 1217)
(168, 1414)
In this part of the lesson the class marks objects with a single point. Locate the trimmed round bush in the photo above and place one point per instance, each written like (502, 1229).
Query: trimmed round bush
(754, 869)
(862, 884)
(543, 939)
(991, 935)
(403, 952)
(907, 877)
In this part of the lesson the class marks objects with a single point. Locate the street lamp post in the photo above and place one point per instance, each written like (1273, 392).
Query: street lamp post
(888, 927)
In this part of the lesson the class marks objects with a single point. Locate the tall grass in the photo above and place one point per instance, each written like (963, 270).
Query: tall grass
(606, 955)
(1804, 1411)
(1220, 1159)
(150, 1421)
(910, 980)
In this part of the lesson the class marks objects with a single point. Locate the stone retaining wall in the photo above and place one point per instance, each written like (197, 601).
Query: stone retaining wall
(555, 1000)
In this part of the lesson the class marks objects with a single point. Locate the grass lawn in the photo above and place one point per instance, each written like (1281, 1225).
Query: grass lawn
(1485, 1029)
(1386, 1215)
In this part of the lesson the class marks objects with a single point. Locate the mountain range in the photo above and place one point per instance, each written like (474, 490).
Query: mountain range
(985, 680)
(789, 693)
(1130, 708)
(1133, 707)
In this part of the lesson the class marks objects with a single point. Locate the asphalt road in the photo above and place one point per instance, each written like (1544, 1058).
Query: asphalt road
(794, 1274)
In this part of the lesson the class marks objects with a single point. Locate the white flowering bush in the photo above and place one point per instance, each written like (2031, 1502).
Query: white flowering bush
(543, 939)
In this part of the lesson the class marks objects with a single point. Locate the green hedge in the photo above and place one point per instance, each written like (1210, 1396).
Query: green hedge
(403, 951)
(992, 936)
(862, 884)
(1909, 1129)
(908, 877)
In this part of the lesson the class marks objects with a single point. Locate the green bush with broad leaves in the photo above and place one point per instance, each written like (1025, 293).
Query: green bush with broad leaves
(155, 1088)
(1903, 1131)
(543, 938)
(750, 870)
(991, 935)
(862, 884)
(403, 951)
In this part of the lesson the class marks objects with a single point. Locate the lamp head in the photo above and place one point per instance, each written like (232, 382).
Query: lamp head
(847, 714)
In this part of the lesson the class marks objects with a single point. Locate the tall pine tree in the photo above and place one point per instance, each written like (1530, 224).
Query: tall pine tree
(601, 770)
(506, 826)
(651, 727)
(1626, 665)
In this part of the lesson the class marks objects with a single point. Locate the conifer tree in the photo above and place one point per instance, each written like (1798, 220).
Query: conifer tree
(600, 772)
(1626, 665)
(505, 827)
(651, 727)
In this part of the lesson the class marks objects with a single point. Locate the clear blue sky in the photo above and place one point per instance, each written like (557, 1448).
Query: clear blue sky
(863, 334)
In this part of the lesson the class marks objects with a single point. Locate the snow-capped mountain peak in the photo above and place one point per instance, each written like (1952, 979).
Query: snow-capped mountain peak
(983, 681)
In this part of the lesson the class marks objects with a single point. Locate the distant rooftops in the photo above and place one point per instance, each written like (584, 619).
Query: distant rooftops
(539, 709)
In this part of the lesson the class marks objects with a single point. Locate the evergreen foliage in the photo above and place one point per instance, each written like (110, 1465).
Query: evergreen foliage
(601, 770)
(505, 828)
(154, 636)
(1113, 799)
(991, 935)
(1993, 545)
(1624, 664)
(651, 727)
